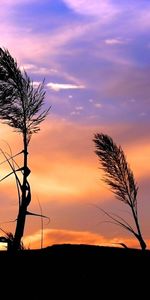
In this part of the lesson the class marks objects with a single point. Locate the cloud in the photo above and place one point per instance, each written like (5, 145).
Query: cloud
(75, 113)
(63, 86)
(36, 83)
(40, 46)
(140, 19)
(114, 41)
(98, 105)
(79, 108)
(64, 236)
(33, 69)
(7, 9)
(104, 8)
(16, 2)
(61, 236)
(56, 44)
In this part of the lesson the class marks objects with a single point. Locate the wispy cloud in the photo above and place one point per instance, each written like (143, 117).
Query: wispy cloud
(16, 2)
(33, 69)
(115, 41)
(105, 8)
(63, 86)
(40, 46)
(141, 19)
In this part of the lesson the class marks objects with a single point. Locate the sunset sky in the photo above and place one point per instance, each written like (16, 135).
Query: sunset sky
(95, 58)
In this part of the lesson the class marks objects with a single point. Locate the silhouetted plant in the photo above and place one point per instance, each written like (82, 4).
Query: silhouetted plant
(20, 108)
(9, 239)
(120, 179)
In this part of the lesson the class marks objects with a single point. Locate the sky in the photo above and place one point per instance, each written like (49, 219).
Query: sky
(95, 58)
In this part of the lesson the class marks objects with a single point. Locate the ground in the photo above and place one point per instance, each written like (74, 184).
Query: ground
(75, 270)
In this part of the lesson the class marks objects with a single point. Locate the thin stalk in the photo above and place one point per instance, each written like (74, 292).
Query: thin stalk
(139, 235)
(24, 199)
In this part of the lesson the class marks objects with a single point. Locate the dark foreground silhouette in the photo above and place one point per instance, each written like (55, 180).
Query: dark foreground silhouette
(74, 270)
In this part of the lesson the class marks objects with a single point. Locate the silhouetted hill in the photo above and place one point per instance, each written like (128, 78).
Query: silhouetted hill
(83, 268)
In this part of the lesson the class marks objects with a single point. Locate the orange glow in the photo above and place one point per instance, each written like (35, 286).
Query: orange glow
(139, 158)
(62, 236)
(66, 170)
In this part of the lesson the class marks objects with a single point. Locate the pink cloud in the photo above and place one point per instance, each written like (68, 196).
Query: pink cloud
(104, 9)
(40, 46)
(16, 2)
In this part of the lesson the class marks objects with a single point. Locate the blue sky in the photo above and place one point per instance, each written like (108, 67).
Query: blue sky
(95, 58)
(101, 49)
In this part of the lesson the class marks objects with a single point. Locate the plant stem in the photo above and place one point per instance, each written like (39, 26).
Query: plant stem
(25, 200)
(139, 235)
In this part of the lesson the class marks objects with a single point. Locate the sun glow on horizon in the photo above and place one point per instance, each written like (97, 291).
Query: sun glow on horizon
(64, 236)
